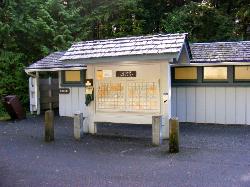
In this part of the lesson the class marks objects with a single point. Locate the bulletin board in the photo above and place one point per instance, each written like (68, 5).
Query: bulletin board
(129, 96)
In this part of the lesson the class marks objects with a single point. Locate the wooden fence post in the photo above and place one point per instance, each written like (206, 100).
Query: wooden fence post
(78, 126)
(49, 126)
(156, 130)
(173, 135)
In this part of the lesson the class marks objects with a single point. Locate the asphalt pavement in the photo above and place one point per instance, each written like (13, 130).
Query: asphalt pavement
(122, 155)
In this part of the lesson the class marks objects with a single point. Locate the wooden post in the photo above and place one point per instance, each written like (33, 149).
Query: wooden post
(156, 130)
(49, 126)
(78, 126)
(173, 135)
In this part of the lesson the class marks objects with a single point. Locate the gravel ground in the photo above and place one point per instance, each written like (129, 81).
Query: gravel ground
(210, 155)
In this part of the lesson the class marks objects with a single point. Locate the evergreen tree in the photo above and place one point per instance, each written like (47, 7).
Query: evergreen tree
(31, 29)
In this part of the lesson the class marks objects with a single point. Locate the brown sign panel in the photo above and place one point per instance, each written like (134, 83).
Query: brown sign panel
(126, 74)
(64, 91)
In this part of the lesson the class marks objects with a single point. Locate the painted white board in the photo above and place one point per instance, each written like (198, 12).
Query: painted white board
(200, 105)
(173, 102)
(220, 105)
(240, 105)
(181, 104)
(248, 106)
(72, 102)
(223, 105)
(230, 105)
(210, 105)
(191, 100)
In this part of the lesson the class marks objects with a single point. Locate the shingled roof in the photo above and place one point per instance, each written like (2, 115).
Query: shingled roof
(127, 46)
(52, 61)
(220, 52)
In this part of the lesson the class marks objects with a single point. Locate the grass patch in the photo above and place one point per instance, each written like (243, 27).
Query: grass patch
(4, 117)
(3, 114)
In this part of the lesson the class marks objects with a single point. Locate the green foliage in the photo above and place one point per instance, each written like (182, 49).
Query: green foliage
(202, 22)
(113, 19)
(154, 11)
(243, 20)
(12, 77)
(31, 29)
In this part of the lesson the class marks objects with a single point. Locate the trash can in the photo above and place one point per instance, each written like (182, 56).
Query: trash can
(14, 107)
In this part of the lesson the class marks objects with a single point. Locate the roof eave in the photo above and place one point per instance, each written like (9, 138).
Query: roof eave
(214, 64)
(164, 56)
(28, 70)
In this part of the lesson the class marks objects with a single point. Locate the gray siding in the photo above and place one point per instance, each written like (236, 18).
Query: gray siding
(72, 102)
(223, 105)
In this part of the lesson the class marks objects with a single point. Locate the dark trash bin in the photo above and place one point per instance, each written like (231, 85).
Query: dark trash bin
(13, 107)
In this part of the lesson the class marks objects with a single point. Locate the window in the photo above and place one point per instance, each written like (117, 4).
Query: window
(73, 77)
(215, 73)
(242, 73)
(185, 73)
(230, 75)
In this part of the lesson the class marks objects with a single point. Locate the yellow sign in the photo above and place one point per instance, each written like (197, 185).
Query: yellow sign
(99, 75)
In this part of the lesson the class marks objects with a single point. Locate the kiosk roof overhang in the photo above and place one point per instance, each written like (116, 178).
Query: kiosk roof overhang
(161, 46)
(52, 63)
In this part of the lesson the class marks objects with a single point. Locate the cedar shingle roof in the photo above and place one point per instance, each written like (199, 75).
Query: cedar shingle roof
(52, 61)
(201, 52)
(220, 52)
(126, 46)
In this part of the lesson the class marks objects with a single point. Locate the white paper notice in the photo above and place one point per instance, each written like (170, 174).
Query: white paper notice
(107, 73)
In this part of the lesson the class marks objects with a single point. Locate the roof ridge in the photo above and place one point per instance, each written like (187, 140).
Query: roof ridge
(219, 42)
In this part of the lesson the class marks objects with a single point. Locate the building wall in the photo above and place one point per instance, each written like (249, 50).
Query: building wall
(222, 105)
(43, 92)
(157, 71)
(146, 71)
(72, 102)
